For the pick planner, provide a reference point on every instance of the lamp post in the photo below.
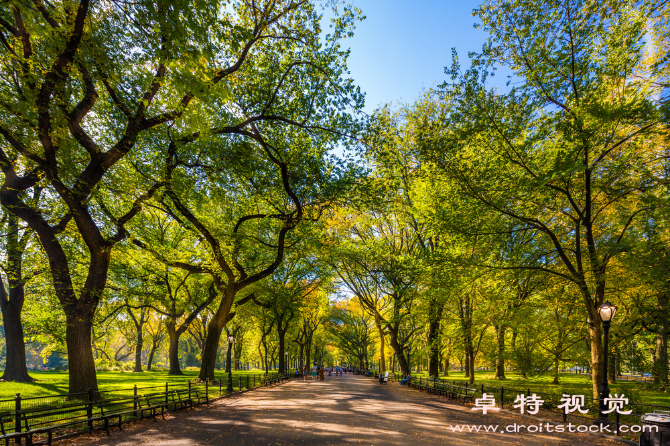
(380, 364)
(285, 362)
(231, 338)
(606, 312)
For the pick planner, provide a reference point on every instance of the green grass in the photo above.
(636, 392)
(54, 383)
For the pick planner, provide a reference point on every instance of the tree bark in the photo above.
(15, 361)
(500, 352)
(173, 350)
(660, 367)
(81, 365)
(434, 345)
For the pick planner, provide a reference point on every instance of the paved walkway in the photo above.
(340, 410)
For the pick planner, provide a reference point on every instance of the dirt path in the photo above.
(341, 410)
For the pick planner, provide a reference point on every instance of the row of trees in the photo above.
(495, 221)
(170, 149)
(168, 174)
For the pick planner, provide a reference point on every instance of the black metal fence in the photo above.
(79, 412)
(506, 397)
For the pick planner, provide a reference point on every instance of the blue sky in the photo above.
(403, 46)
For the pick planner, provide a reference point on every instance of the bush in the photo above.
(109, 365)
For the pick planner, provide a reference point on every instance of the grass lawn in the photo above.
(636, 392)
(54, 383)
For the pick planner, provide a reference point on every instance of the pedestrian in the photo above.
(315, 369)
(321, 377)
(304, 373)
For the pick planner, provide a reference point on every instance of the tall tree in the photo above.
(561, 153)
(89, 93)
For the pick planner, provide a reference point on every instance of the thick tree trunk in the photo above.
(400, 354)
(138, 351)
(210, 350)
(281, 334)
(660, 367)
(173, 351)
(308, 351)
(500, 352)
(15, 361)
(81, 365)
(434, 348)
(214, 329)
(12, 304)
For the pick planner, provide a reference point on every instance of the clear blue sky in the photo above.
(403, 46)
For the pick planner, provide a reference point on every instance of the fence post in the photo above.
(166, 395)
(616, 423)
(239, 382)
(482, 389)
(528, 392)
(135, 400)
(220, 381)
(17, 416)
(247, 382)
(207, 390)
(189, 390)
(502, 396)
(89, 409)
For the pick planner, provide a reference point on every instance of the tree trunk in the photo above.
(611, 366)
(500, 352)
(210, 351)
(281, 334)
(660, 367)
(12, 304)
(150, 359)
(308, 351)
(214, 329)
(81, 366)
(400, 354)
(173, 350)
(434, 348)
(15, 361)
(556, 363)
(138, 350)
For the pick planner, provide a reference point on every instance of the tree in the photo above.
(16, 245)
(90, 92)
(560, 154)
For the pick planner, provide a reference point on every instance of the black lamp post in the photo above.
(285, 371)
(380, 364)
(231, 338)
(606, 312)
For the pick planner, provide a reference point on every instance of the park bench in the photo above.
(45, 420)
(151, 402)
(196, 397)
(118, 408)
(460, 392)
(181, 399)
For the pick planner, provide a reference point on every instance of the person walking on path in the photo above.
(304, 373)
(315, 369)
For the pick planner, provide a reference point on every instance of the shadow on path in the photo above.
(340, 410)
